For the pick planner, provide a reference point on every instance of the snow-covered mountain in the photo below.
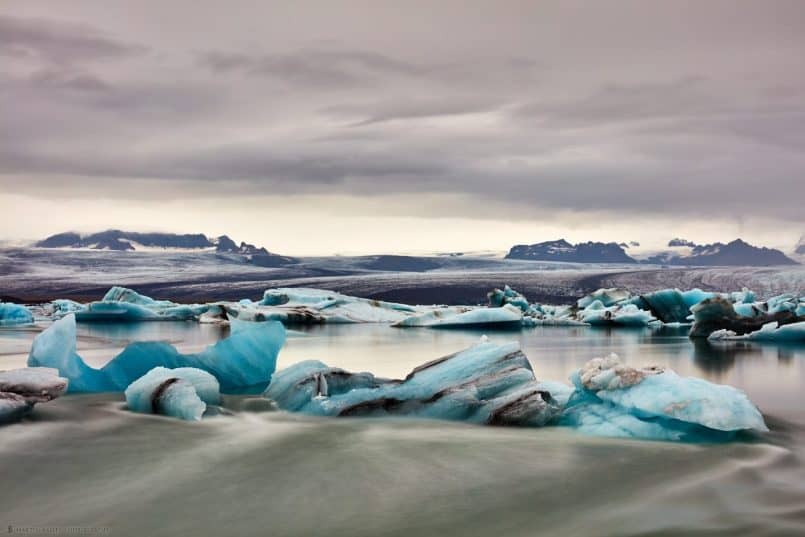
(735, 253)
(117, 240)
(561, 250)
(799, 249)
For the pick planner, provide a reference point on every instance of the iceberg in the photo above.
(182, 392)
(612, 399)
(120, 304)
(607, 297)
(312, 306)
(245, 359)
(487, 383)
(11, 314)
(21, 389)
(597, 314)
(506, 316)
(717, 314)
(494, 384)
(772, 331)
(498, 298)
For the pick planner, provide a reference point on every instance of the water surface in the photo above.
(85, 461)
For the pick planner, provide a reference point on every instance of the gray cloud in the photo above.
(521, 116)
(56, 41)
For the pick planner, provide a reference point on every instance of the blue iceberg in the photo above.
(120, 304)
(495, 385)
(247, 358)
(11, 314)
(487, 383)
(612, 399)
(182, 393)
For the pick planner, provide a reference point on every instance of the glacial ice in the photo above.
(21, 389)
(120, 304)
(11, 314)
(739, 312)
(505, 316)
(494, 384)
(487, 383)
(183, 392)
(629, 315)
(652, 403)
(246, 358)
(771, 331)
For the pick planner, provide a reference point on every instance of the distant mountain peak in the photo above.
(676, 242)
(735, 253)
(117, 240)
(562, 250)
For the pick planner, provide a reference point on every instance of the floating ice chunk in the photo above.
(718, 314)
(63, 306)
(507, 316)
(772, 331)
(498, 298)
(246, 358)
(487, 383)
(122, 294)
(627, 315)
(125, 305)
(34, 384)
(20, 389)
(182, 393)
(662, 397)
(607, 297)
(314, 306)
(11, 314)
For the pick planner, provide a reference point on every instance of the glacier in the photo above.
(494, 384)
(182, 392)
(11, 314)
(21, 389)
(245, 359)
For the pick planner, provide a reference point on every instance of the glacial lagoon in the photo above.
(86, 461)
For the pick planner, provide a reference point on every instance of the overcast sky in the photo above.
(325, 127)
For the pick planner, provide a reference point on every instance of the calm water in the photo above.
(84, 461)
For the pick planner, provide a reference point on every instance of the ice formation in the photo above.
(773, 331)
(506, 316)
(487, 383)
(182, 393)
(613, 399)
(737, 312)
(120, 304)
(719, 315)
(11, 314)
(246, 358)
(21, 389)
(494, 384)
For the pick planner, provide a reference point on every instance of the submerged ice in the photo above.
(246, 358)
